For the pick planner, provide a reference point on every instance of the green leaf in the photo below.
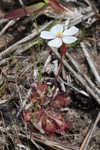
(39, 4)
(46, 1)
(35, 42)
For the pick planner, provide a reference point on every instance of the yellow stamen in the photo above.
(59, 34)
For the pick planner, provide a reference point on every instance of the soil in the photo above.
(17, 78)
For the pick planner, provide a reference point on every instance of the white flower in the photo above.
(58, 35)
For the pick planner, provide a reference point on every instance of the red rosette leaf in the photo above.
(58, 120)
(49, 125)
(65, 126)
(60, 101)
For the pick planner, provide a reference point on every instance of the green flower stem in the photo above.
(39, 51)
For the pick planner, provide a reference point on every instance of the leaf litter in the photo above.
(28, 113)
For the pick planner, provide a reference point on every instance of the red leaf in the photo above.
(28, 116)
(65, 126)
(49, 125)
(58, 120)
(60, 101)
(62, 125)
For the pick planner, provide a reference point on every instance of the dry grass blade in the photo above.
(90, 62)
(3, 20)
(10, 23)
(85, 140)
(21, 3)
(23, 70)
(13, 47)
(93, 6)
(52, 144)
(90, 133)
(77, 67)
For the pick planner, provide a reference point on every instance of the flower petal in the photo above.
(47, 35)
(55, 43)
(71, 31)
(69, 39)
(57, 28)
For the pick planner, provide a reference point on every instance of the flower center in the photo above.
(59, 34)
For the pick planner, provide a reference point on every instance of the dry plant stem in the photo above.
(21, 3)
(3, 20)
(79, 19)
(10, 23)
(13, 47)
(28, 137)
(23, 104)
(92, 131)
(52, 144)
(78, 77)
(37, 145)
(6, 60)
(85, 140)
(22, 48)
(90, 62)
(70, 85)
(91, 3)
(77, 67)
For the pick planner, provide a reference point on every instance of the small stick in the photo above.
(77, 67)
(90, 62)
(92, 6)
(21, 3)
(85, 140)
(23, 103)
(10, 23)
(3, 20)
(13, 47)
(71, 86)
(92, 131)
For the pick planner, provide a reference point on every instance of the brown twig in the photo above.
(79, 69)
(90, 62)
(85, 140)
(93, 6)
(90, 133)
(13, 47)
